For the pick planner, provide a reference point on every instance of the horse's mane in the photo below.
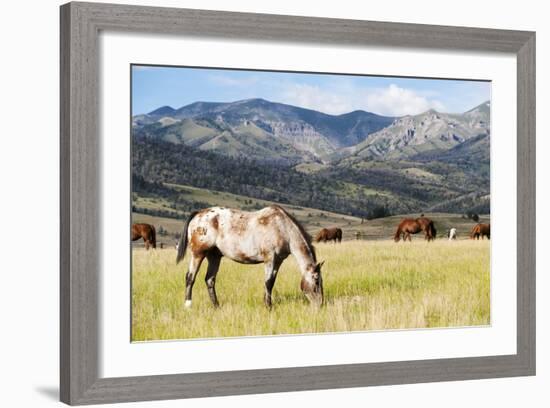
(304, 233)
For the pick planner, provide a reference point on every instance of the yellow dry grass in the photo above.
(369, 285)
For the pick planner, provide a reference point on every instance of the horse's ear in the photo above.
(320, 264)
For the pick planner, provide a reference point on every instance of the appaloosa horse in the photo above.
(329, 234)
(145, 231)
(266, 236)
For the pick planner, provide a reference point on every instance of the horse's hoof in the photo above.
(188, 304)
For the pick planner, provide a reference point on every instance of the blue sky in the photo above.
(153, 87)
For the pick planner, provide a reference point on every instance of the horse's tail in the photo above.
(153, 236)
(397, 236)
(433, 231)
(182, 244)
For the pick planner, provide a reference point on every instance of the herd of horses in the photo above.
(267, 236)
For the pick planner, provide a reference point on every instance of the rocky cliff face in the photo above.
(429, 131)
(303, 137)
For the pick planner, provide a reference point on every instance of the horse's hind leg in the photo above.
(271, 269)
(194, 265)
(214, 259)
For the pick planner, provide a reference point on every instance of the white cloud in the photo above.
(397, 101)
(391, 100)
(314, 97)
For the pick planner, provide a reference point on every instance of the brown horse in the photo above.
(481, 230)
(145, 231)
(409, 226)
(266, 236)
(329, 234)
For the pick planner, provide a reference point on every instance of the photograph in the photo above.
(271, 203)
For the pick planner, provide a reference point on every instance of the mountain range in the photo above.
(261, 129)
(432, 160)
(275, 132)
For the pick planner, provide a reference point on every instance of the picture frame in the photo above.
(80, 154)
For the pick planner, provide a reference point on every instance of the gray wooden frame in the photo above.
(80, 155)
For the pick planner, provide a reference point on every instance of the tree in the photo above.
(380, 211)
(472, 216)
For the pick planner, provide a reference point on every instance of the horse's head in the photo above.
(320, 235)
(312, 284)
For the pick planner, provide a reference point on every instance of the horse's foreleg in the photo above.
(194, 265)
(210, 279)
(271, 269)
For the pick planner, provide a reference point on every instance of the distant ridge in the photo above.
(163, 110)
(259, 128)
(286, 134)
(429, 131)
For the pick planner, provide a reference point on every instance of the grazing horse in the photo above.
(266, 236)
(481, 230)
(452, 234)
(145, 231)
(409, 226)
(329, 234)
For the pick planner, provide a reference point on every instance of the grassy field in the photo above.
(369, 285)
